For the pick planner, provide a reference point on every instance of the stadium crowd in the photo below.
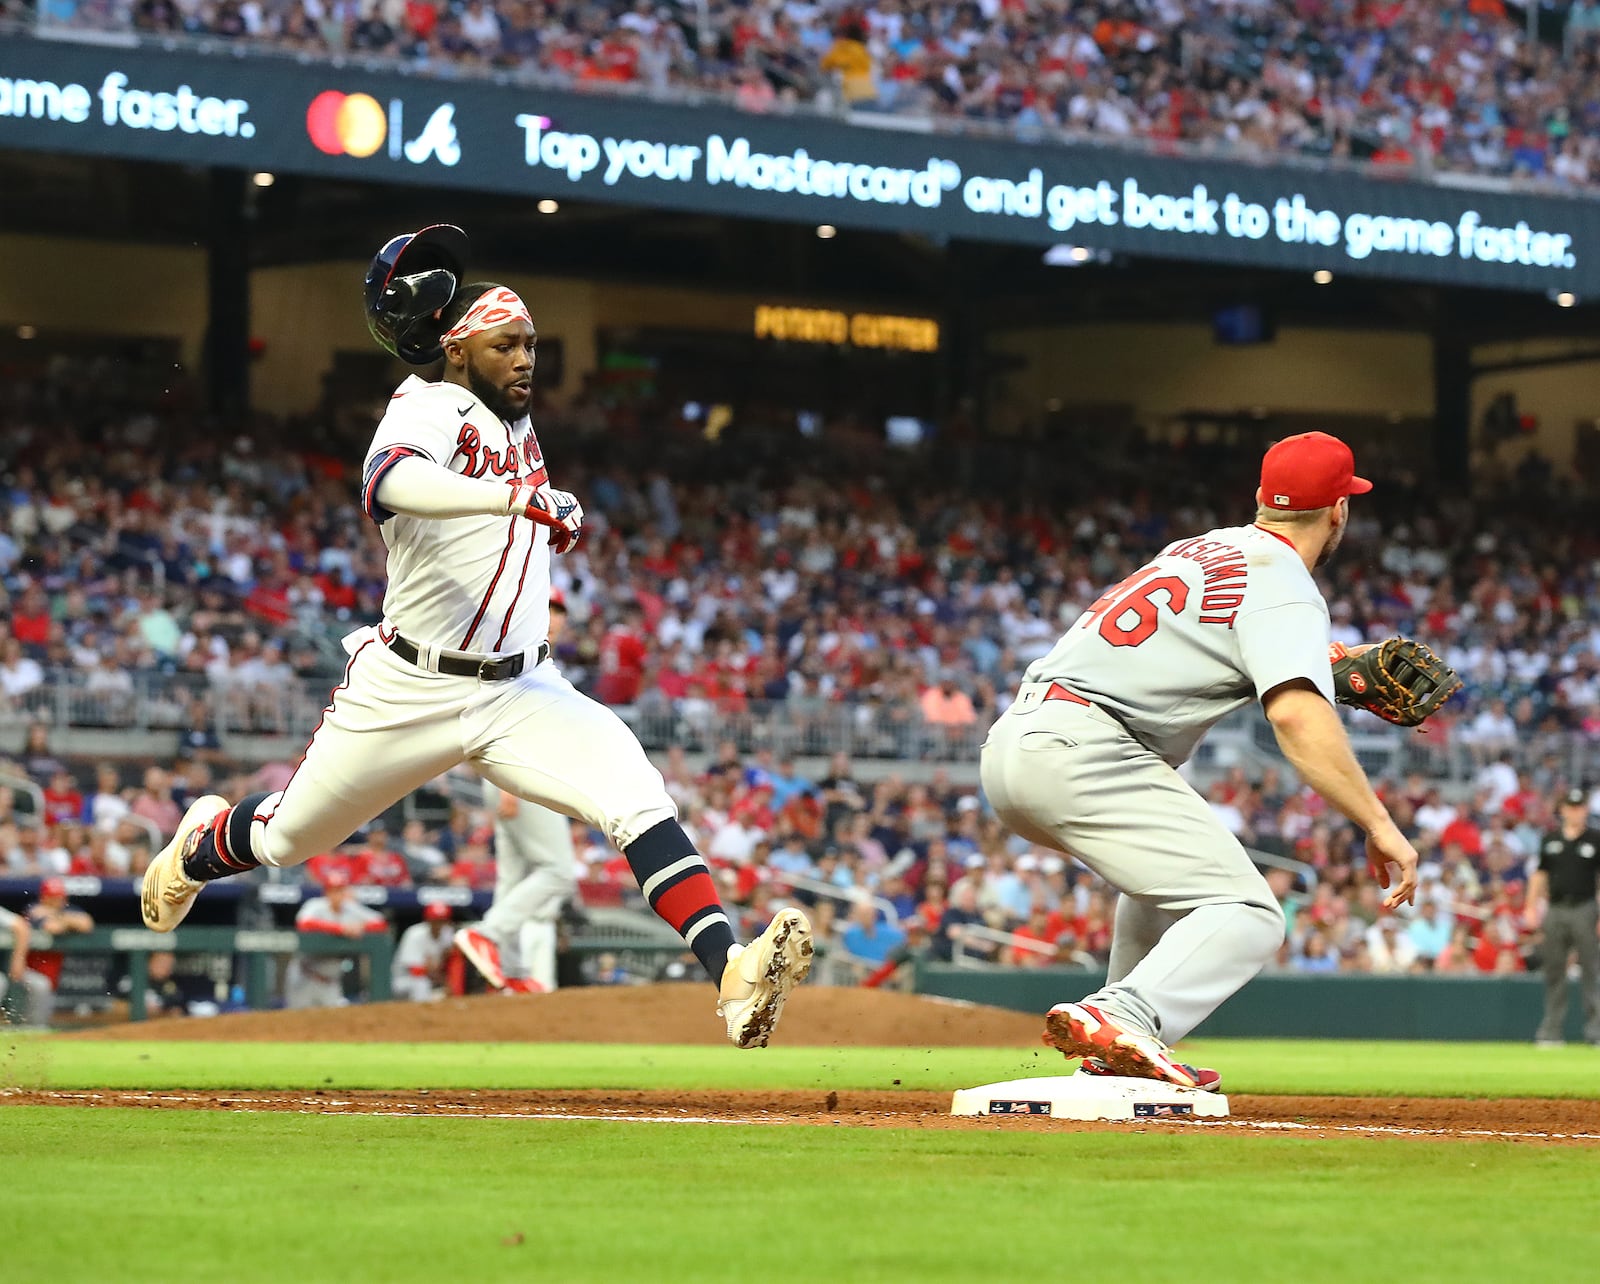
(214, 569)
(891, 869)
(1452, 84)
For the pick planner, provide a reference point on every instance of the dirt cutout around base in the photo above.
(816, 1017)
(1527, 1122)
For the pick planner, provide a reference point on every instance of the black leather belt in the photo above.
(484, 668)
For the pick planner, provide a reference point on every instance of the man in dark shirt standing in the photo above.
(1566, 882)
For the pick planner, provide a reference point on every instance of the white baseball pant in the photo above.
(391, 727)
(536, 869)
(1196, 919)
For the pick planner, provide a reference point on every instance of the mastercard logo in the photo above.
(346, 124)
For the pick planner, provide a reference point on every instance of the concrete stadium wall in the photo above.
(1162, 370)
(1560, 397)
(1488, 1008)
(306, 313)
(101, 287)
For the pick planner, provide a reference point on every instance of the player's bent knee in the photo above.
(1264, 928)
(629, 825)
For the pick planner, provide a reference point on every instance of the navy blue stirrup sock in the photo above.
(225, 847)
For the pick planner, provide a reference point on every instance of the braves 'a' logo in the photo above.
(480, 460)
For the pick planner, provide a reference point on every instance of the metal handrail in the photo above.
(28, 787)
(1297, 867)
(845, 895)
(1006, 940)
(151, 829)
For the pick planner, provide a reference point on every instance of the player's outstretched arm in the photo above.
(417, 487)
(1314, 741)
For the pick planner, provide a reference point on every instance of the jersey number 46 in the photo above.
(1128, 613)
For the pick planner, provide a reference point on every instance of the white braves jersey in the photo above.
(479, 584)
(1213, 622)
(420, 949)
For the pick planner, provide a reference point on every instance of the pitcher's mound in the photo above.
(815, 1017)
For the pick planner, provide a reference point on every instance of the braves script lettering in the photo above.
(481, 460)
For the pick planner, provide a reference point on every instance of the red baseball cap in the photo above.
(336, 877)
(437, 911)
(1311, 470)
(53, 887)
(558, 599)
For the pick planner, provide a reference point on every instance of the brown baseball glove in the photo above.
(1400, 680)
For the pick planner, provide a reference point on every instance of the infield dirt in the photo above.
(815, 1018)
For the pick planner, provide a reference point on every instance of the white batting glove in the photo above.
(557, 509)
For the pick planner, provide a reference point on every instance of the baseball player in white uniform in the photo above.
(1085, 761)
(317, 980)
(536, 869)
(419, 959)
(457, 670)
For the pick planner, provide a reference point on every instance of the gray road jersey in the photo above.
(1212, 623)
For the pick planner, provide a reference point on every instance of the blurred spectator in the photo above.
(154, 801)
(608, 970)
(378, 864)
(317, 980)
(421, 956)
(164, 996)
(50, 915)
(1400, 83)
(28, 993)
(868, 936)
(1430, 931)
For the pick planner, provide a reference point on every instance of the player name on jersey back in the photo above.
(1210, 623)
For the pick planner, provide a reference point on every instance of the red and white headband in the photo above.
(494, 308)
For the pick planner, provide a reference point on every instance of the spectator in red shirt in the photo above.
(62, 801)
(1040, 930)
(474, 868)
(331, 867)
(378, 864)
(338, 594)
(622, 657)
(30, 621)
(1463, 832)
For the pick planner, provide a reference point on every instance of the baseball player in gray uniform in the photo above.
(1085, 760)
(457, 671)
(536, 869)
(40, 995)
(317, 980)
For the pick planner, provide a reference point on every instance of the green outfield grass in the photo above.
(132, 1195)
(128, 1196)
(1260, 1066)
